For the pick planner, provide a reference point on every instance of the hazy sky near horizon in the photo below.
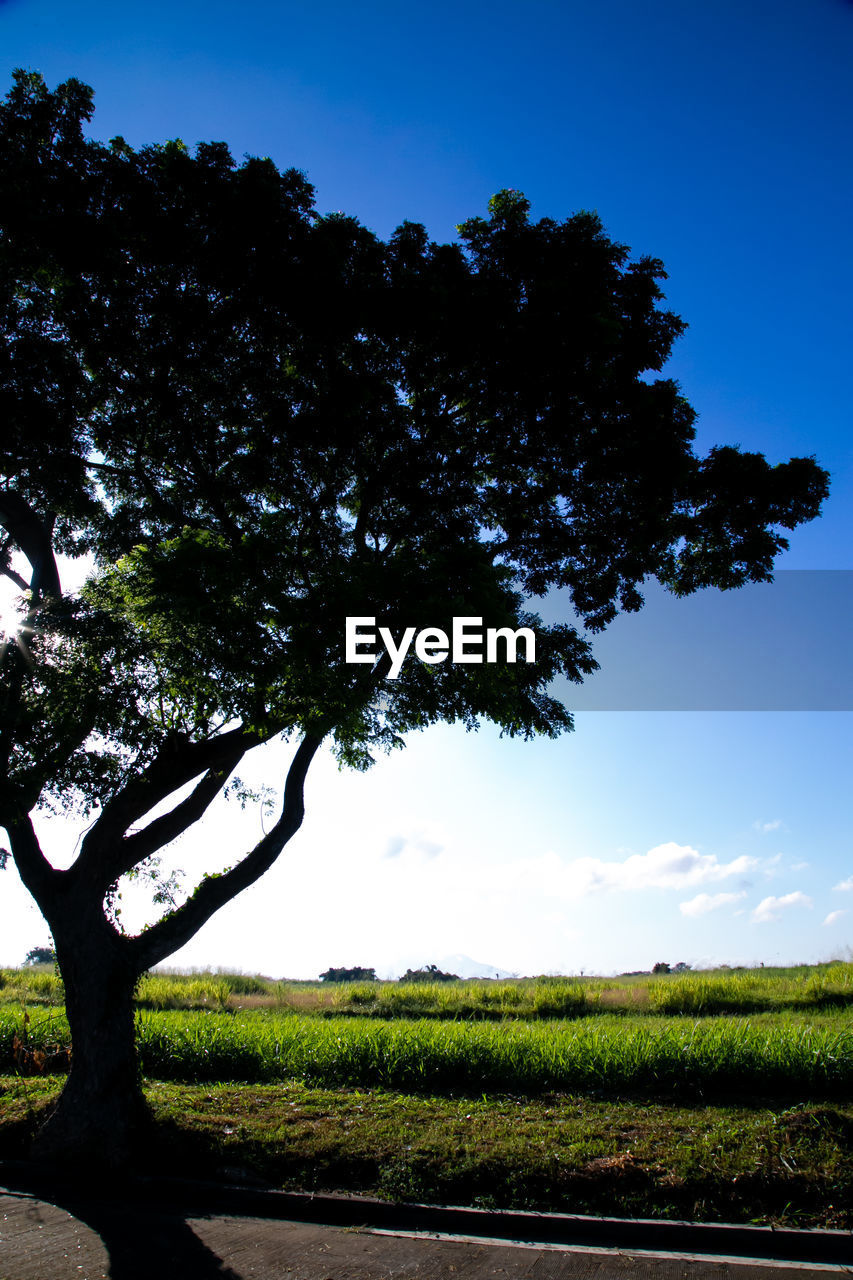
(715, 136)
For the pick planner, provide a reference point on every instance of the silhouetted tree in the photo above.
(259, 421)
(349, 975)
(40, 955)
(429, 973)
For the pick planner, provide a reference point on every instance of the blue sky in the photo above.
(715, 136)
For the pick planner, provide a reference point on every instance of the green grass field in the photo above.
(779, 1055)
(806, 988)
(726, 1094)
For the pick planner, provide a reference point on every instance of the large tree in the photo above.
(258, 421)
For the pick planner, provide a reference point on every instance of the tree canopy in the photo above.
(259, 420)
(356, 974)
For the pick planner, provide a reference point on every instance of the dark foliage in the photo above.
(259, 420)
(349, 975)
(429, 973)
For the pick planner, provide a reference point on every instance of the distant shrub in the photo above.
(349, 975)
(431, 973)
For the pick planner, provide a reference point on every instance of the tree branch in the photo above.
(174, 930)
(8, 572)
(133, 850)
(6, 567)
(107, 466)
(34, 537)
(35, 871)
(10, 695)
(176, 764)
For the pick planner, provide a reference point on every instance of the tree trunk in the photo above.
(101, 1112)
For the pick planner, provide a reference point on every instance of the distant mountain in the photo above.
(468, 968)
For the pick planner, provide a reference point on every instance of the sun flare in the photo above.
(13, 617)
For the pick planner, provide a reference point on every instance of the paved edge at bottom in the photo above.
(193, 1197)
(649, 1255)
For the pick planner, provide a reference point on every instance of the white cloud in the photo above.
(776, 825)
(799, 866)
(845, 884)
(667, 866)
(404, 844)
(834, 917)
(768, 909)
(705, 902)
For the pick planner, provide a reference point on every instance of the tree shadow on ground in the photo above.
(143, 1243)
(141, 1240)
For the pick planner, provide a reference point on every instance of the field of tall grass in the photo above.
(808, 988)
(755, 1031)
(768, 1054)
(753, 991)
(598, 1055)
(722, 1095)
